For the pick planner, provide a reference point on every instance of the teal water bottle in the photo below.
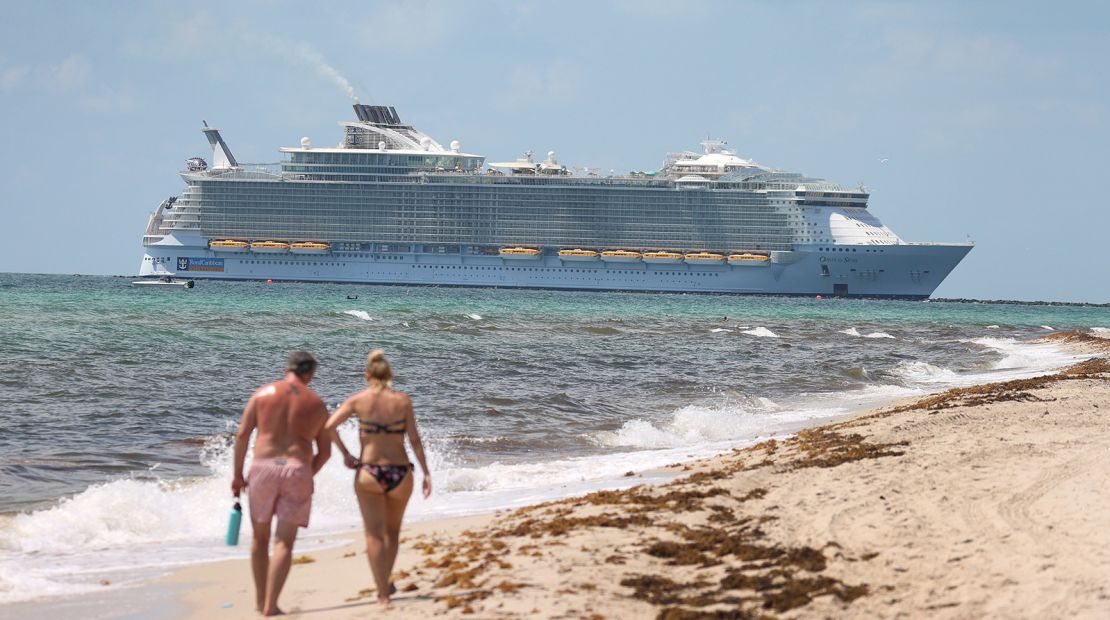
(233, 523)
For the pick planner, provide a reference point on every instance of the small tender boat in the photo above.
(749, 259)
(519, 253)
(270, 247)
(578, 255)
(705, 258)
(620, 256)
(163, 282)
(228, 245)
(662, 257)
(309, 247)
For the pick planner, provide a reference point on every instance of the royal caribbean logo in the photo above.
(185, 263)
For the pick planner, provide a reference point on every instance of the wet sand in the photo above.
(988, 501)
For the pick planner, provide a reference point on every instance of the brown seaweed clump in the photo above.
(761, 575)
(561, 526)
(823, 447)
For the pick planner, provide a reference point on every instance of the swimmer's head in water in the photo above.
(378, 369)
(301, 363)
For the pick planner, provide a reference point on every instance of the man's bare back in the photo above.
(289, 416)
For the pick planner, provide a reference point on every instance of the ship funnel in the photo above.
(377, 114)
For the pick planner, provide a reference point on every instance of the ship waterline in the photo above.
(393, 206)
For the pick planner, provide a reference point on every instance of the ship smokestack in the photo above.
(377, 114)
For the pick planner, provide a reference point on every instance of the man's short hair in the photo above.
(300, 363)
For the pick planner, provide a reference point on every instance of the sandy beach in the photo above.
(977, 502)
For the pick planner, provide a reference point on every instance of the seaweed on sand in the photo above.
(823, 447)
(1015, 390)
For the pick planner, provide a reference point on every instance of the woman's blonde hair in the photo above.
(378, 369)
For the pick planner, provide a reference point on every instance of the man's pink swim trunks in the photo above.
(282, 487)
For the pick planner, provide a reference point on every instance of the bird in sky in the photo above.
(883, 160)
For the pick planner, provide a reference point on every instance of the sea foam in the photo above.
(690, 425)
(1022, 359)
(924, 372)
(760, 332)
(852, 331)
(359, 314)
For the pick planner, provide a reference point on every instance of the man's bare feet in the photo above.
(274, 612)
(385, 603)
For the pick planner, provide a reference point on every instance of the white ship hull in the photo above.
(901, 271)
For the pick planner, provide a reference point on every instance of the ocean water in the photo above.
(117, 405)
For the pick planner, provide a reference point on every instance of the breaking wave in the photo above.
(359, 314)
(852, 331)
(925, 373)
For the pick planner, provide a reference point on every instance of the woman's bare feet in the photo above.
(273, 612)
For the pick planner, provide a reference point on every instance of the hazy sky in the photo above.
(994, 117)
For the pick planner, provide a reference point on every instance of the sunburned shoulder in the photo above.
(269, 389)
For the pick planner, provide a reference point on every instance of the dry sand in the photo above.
(979, 502)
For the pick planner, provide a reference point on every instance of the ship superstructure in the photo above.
(391, 205)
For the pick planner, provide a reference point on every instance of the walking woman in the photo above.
(383, 473)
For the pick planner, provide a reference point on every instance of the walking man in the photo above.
(289, 418)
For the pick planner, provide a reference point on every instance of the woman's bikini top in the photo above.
(389, 428)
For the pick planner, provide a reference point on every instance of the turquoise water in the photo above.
(118, 404)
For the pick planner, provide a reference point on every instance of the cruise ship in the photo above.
(391, 205)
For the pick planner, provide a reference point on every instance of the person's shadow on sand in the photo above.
(396, 602)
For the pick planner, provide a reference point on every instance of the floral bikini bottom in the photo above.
(389, 476)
